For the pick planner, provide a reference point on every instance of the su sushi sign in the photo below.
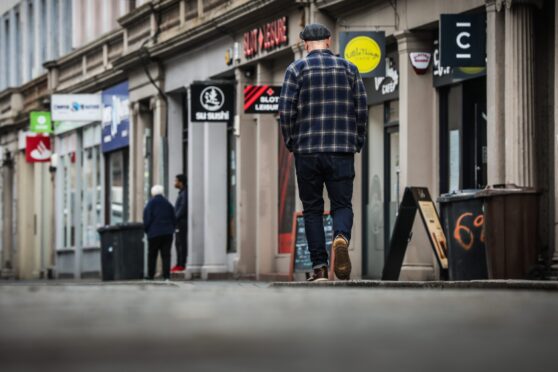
(265, 38)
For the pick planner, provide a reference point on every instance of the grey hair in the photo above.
(157, 190)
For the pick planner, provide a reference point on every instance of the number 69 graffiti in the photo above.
(463, 233)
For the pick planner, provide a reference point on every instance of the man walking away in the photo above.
(159, 224)
(323, 115)
(181, 214)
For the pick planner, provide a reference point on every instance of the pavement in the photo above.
(253, 326)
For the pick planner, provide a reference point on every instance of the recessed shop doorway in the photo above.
(463, 145)
(381, 184)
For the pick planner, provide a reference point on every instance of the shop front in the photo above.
(201, 96)
(462, 125)
(91, 181)
(79, 168)
(381, 168)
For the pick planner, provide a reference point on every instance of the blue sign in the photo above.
(116, 118)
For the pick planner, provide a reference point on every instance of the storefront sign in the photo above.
(116, 118)
(384, 88)
(443, 75)
(420, 61)
(37, 148)
(366, 50)
(212, 102)
(39, 122)
(265, 38)
(76, 107)
(261, 99)
(463, 40)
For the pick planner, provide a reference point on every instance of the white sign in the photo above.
(76, 107)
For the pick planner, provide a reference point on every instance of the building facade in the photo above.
(437, 127)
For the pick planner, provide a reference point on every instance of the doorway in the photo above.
(463, 142)
(381, 185)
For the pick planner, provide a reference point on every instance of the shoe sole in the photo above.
(318, 280)
(342, 262)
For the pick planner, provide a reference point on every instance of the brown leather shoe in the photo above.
(319, 275)
(342, 261)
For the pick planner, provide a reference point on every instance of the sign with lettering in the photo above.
(444, 75)
(366, 50)
(300, 260)
(116, 118)
(415, 199)
(265, 38)
(212, 102)
(463, 40)
(76, 107)
(384, 88)
(261, 99)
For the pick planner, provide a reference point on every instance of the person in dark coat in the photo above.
(181, 214)
(159, 224)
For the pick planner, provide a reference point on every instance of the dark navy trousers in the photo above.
(337, 172)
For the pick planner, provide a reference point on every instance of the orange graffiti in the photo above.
(460, 228)
(462, 231)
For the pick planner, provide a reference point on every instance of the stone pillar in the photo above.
(266, 185)
(196, 202)
(49, 18)
(63, 28)
(7, 215)
(520, 94)
(417, 133)
(26, 47)
(14, 60)
(3, 48)
(246, 182)
(38, 19)
(158, 106)
(215, 199)
(495, 86)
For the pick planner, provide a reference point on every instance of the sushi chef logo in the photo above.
(212, 98)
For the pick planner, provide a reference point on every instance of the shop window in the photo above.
(231, 195)
(91, 196)
(287, 196)
(463, 160)
(117, 203)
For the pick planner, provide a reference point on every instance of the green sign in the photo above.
(40, 122)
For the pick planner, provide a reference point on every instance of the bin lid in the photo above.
(507, 189)
(458, 195)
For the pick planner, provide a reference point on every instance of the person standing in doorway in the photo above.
(181, 214)
(323, 115)
(159, 223)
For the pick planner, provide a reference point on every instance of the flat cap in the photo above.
(315, 31)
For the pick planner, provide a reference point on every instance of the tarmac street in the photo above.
(250, 326)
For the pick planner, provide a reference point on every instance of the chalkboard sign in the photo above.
(415, 199)
(300, 262)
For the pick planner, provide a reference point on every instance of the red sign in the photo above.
(37, 149)
(267, 37)
(260, 99)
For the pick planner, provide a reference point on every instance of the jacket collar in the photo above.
(316, 51)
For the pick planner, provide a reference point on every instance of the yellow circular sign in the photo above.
(364, 52)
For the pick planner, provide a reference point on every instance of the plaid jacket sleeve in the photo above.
(288, 106)
(361, 109)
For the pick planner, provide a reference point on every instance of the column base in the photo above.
(213, 271)
(192, 272)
